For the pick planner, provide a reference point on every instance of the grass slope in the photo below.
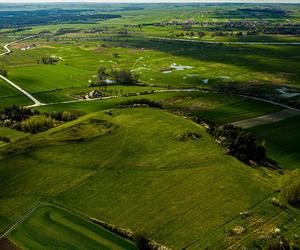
(52, 227)
(117, 169)
(282, 140)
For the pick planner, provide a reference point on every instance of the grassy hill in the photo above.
(117, 169)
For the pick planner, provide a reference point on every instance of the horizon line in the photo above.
(148, 1)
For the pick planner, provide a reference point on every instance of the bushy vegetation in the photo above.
(67, 115)
(240, 144)
(144, 101)
(14, 114)
(3, 71)
(47, 60)
(124, 77)
(290, 188)
(34, 121)
(36, 124)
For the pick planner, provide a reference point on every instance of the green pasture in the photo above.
(176, 191)
(282, 141)
(151, 60)
(51, 227)
(48, 77)
(218, 108)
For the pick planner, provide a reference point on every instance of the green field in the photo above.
(134, 167)
(55, 228)
(10, 96)
(282, 141)
(176, 191)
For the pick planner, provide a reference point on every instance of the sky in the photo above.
(149, 1)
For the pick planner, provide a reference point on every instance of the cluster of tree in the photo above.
(47, 60)
(15, 114)
(66, 31)
(144, 101)
(67, 115)
(3, 71)
(36, 124)
(27, 120)
(222, 33)
(124, 77)
(117, 76)
(19, 19)
(240, 144)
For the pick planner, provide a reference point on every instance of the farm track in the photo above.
(22, 218)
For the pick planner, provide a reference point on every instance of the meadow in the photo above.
(100, 183)
(130, 166)
(52, 227)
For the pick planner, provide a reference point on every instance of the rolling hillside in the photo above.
(115, 168)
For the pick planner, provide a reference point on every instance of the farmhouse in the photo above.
(28, 47)
(93, 94)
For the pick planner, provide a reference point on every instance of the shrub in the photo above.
(67, 115)
(3, 71)
(141, 241)
(239, 143)
(48, 60)
(290, 188)
(143, 101)
(38, 123)
(70, 115)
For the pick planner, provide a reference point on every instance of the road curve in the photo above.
(32, 98)
(23, 91)
(6, 46)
